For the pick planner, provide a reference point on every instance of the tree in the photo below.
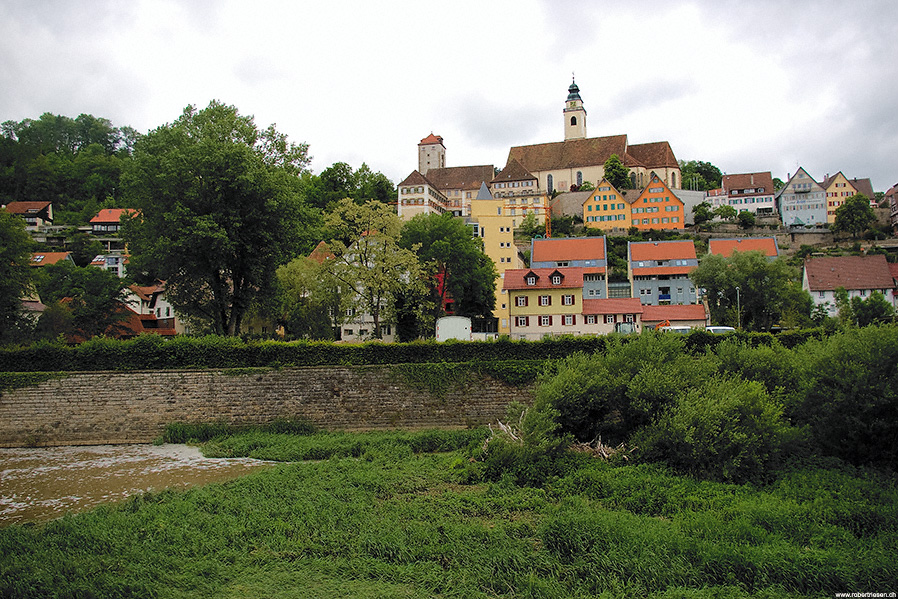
(15, 270)
(874, 310)
(368, 260)
(219, 211)
(725, 212)
(83, 246)
(854, 216)
(768, 290)
(94, 297)
(454, 262)
(530, 226)
(746, 219)
(702, 213)
(586, 186)
(616, 173)
(700, 176)
(311, 305)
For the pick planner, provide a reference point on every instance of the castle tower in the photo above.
(574, 114)
(431, 154)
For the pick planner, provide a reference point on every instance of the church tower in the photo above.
(574, 114)
(431, 153)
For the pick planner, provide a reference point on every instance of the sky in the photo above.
(748, 85)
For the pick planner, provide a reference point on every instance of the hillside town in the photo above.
(634, 229)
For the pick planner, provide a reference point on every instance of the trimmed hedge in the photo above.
(151, 352)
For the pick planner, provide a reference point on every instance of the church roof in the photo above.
(654, 154)
(513, 171)
(569, 154)
(460, 177)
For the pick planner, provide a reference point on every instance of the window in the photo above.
(590, 319)
(630, 318)
(579, 178)
(347, 332)
(522, 321)
(556, 279)
(609, 319)
(567, 300)
(821, 294)
(363, 332)
(545, 300)
(545, 321)
(569, 320)
(550, 183)
(531, 280)
(520, 301)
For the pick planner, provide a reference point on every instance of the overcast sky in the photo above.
(748, 85)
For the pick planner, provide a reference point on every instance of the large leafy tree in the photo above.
(854, 216)
(368, 261)
(92, 297)
(311, 305)
(220, 209)
(749, 289)
(700, 176)
(616, 173)
(15, 270)
(455, 263)
(702, 213)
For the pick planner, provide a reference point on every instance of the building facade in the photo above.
(659, 272)
(802, 201)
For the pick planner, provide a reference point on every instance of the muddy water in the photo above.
(44, 483)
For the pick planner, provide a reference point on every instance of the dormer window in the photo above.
(531, 280)
(556, 279)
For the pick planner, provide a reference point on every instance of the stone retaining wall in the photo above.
(90, 408)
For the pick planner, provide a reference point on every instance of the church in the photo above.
(561, 166)
(544, 169)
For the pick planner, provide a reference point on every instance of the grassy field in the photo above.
(406, 515)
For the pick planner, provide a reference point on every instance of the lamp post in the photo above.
(738, 309)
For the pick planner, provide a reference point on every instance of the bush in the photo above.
(727, 429)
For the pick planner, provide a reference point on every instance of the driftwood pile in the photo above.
(513, 433)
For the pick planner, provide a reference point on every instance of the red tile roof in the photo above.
(461, 177)
(513, 171)
(569, 154)
(674, 313)
(726, 247)
(662, 250)
(48, 258)
(654, 154)
(321, 253)
(431, 139)
(568, 248)
(850, 272)
(110, 215)
(25, 207)
(572, 278)
(416, 178)
(628, 305)
(748, 181)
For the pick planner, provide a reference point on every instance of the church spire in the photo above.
(574, 114)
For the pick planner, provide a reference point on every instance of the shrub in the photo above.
(727, 429)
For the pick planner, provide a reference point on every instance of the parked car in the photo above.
(682, 330)
(720, 330)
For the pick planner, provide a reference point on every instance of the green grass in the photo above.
(399, 515)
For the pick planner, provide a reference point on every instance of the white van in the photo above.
(720, 330)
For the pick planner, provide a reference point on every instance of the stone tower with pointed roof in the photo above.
(431, 153)
(574, 114)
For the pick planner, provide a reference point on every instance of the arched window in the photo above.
(673, 179)
(633, 180)
(573, 121)
(550, 183)
(579, 178)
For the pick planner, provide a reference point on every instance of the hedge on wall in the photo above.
(149, 352)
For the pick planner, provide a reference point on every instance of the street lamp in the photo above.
(738, 310)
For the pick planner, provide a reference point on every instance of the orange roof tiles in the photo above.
(431, 139)
(25, 207)
(568, 248)
(726, 247)
(45, 258)
(110, 215)
(761, 181)
(572, 278)
(569, 154)
(850, 272)
(461, 177)
(662, 250)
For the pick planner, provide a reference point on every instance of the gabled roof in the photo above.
(431, 139)
(460, 177)
(569, 154)
(561, 249)
(110, 215)
(674, 313)
(484, 192)
(572, 278)
(45, 258)
(726, 247)
(893, 270)
(653, 155)
(416, 178)
(654, 180)
(321, 253)
(662, 250)
(27, 207)
(625, 305)
(851, 272)
(748, 181)
(513, 171)
(864, 186)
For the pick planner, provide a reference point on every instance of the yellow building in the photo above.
(545, 301)
(656, 207)
(606, 208)
(494, 224)
(838, 189)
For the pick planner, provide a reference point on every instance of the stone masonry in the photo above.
(90, 408)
